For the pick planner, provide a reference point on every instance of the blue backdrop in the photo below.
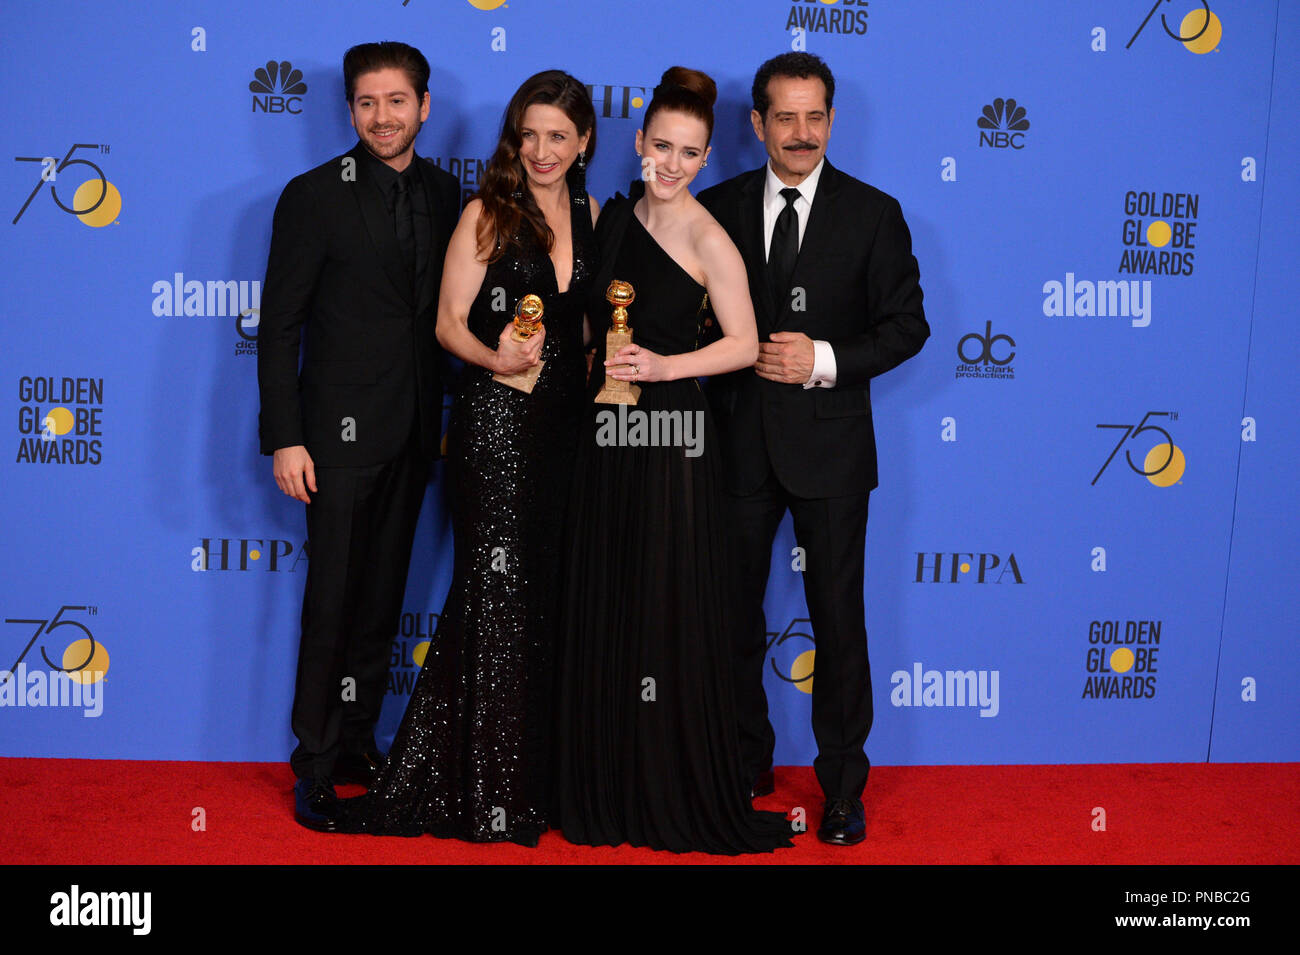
(1079, 550)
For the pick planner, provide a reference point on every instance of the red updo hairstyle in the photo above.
(684, 91)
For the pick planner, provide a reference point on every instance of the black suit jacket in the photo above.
(861, 293)
(337, 291)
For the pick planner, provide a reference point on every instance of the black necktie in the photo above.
(404, 219)
(784, 251)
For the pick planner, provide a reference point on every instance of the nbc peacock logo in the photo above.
(1002, 123)
(277, 88)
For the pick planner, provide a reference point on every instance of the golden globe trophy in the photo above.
(528, 319)
(616, 391)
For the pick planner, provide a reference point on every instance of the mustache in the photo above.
(801, 144)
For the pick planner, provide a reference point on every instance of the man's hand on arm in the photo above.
(788, 358)
(295, 474)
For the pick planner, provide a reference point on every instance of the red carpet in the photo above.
(79, 812)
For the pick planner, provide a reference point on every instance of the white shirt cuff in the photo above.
(823, 373)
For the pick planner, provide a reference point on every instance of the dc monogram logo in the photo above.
(246, 323)
(984, 343)
(986, 356)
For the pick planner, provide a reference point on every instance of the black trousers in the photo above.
(832, 532)
(360, 525)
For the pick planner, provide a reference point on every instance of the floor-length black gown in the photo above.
(648, 747)
(472, 757)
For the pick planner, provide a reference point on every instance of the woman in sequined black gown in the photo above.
(471, 758)
(649, 752)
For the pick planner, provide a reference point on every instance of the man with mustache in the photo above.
(837, 298)
(352, 283)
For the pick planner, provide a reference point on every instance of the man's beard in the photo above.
(394, 147)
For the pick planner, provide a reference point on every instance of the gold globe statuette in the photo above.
(618, 392)
(528, 319)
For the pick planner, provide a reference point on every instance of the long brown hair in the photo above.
(509, 209)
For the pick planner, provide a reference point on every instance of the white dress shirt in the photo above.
(823, 373)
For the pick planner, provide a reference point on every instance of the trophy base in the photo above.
(524, 381)
(617, 392)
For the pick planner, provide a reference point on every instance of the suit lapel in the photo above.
(818, 236)
(751, 247)
(379, 225)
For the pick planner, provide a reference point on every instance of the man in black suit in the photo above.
(352, 280)
(837, 298)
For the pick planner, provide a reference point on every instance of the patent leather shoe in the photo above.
(764, 784)
(316, 805)
(843, 822)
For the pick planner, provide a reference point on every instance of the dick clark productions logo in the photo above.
(985, 355)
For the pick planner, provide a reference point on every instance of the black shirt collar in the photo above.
(384, 174)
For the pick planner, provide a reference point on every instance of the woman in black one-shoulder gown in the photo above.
(649, 751)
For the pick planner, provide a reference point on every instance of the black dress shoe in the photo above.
(843, 822)
(315, 804)
(359, 768)
(764, 784)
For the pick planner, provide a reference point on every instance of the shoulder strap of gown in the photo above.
(611, 227)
